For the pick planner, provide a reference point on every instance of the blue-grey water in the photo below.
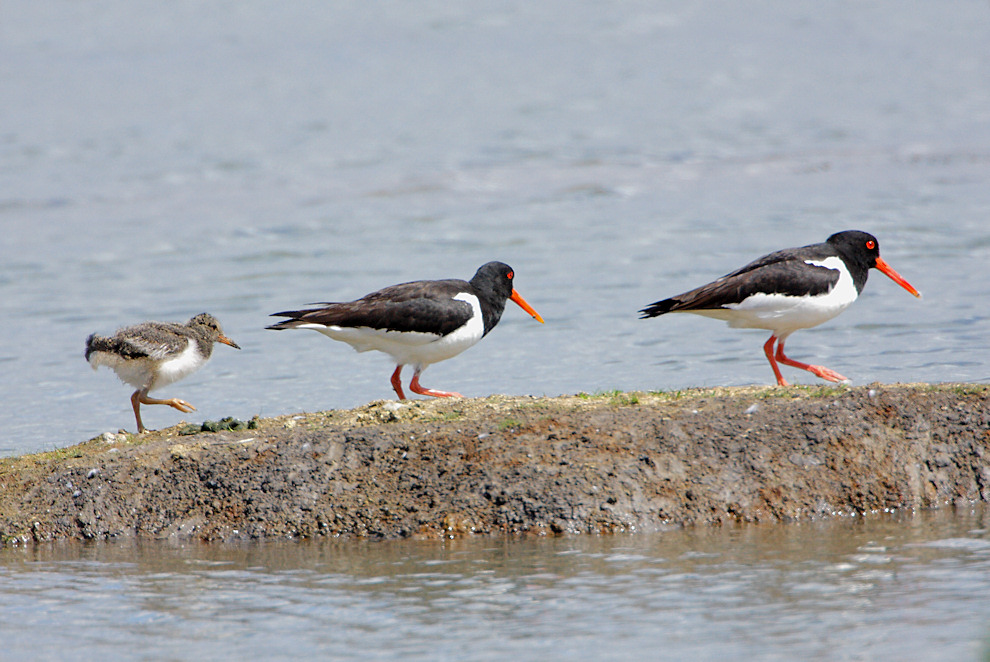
(886, 587)
(242, 158)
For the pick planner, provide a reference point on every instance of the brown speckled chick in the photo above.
(154, 354)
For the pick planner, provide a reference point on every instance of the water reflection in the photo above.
(891, 585)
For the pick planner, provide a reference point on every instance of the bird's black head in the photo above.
(496, 278)
(493, 283)
(861, 248)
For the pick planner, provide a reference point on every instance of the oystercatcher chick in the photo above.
(154, 354)
(791, 289)
(416, 323)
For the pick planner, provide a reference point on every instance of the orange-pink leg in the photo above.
(397, 384)
(140, 397)
(768, 350)
(415, 387)
(817, 370)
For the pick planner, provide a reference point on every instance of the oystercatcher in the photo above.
(154, 354)
(791, 289)
(418, 323)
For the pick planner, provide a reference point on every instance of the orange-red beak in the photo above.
(896, 277)
(227, 341)
(525, 306)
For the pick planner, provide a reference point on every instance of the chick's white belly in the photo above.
(182, 365)
(136, 372)
(147, 372)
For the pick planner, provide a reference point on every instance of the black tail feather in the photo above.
(658, 308)
(284, 324)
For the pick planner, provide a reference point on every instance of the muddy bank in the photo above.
(500, 465)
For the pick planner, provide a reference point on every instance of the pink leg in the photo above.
(416, 388)
(768, 350)
(136, 405)
(397, 383)
(818, 370)
(175, 403)
(140, 397)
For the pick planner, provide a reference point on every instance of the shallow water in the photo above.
(885, 587)
(243, 158)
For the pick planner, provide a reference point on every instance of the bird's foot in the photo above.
(437, 394)
(181, 405)
(416, 387)
(827, 373)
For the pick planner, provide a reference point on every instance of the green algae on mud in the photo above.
(588, 463)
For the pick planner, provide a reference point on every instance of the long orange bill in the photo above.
(227, 341)
(525, 306)
(896, 277)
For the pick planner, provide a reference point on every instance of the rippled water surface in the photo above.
(884, 588)
(242, 158)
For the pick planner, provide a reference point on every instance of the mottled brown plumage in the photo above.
(155, 354)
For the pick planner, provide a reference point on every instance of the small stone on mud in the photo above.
(804, 460)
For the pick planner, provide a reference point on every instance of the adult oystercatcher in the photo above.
(791, 289)
(418, 323)
(154, 354)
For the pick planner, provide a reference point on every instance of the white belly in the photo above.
(182, 365)
(146, 372)
(786, 314)
(411, 348)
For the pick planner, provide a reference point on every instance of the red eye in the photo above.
(870, 244)
(509, 275)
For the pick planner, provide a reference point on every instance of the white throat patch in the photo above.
(844, 289)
